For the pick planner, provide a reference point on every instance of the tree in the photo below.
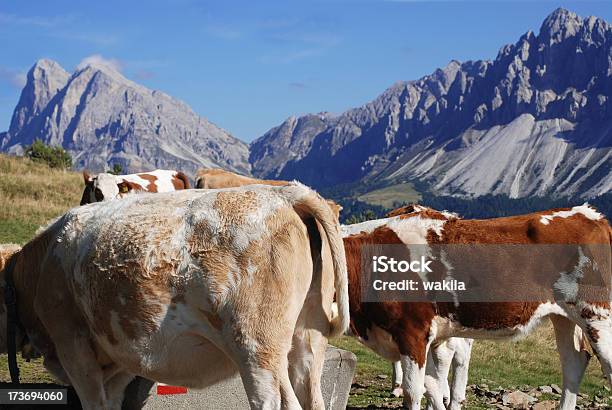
(53, 156)
(117, 169)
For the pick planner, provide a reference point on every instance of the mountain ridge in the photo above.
(425, 128)
(103, 118)
(534, 121)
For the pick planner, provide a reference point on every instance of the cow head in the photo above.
(103, 187)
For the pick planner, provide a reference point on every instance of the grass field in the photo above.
(531, 362)
(31, 194)
(387, 197)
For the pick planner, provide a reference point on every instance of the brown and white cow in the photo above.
(186, 288)
(406, 331)
(216, 178)
(444, 357)
(449, 356)
(106, 186)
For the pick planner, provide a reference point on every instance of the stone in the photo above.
(546, 389)
(545, 405)
(556, 389)
(518, 399)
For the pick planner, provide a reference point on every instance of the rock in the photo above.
(534, 392)
(545, 389)
(518, 399)
(556, 389)
(545, 405)
(382, 376)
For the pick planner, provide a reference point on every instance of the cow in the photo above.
(444, 356)
(407, 331)
(215, 178)
(106, 186)
(452, 354)
(6, 250)
(186, 288)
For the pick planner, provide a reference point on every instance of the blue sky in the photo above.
(247, 66)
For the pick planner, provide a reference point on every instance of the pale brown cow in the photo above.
(215, 178)
(405, 331)
(6, 250)
(186, 288)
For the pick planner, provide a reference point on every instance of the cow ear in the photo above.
(125, 187)
(87, 178)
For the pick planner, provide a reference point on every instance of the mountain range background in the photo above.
(530, 129)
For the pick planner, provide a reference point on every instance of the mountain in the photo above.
(102, 118)
(534, 121)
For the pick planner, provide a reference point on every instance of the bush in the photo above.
(117, 169)
(54, 157)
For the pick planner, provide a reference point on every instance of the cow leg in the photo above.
(396, 389)
(437, 390)
(306, 366)
(115, 389)
(73, 344)
(414, 378)
(269, 389)
(460, 367)
(79, 361)
(307, 355)
(263, 340)
(599, 333)
(573, 361)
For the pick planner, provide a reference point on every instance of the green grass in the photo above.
(29, 372)
(532, 362)
(389, 196)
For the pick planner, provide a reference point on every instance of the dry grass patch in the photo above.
(31, 194)
(390, 196)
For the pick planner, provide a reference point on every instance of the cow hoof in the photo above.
(397, 392)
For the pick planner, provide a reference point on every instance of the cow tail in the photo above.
(306, 201)
(182, 177)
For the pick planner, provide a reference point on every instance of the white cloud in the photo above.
(98, 60)
(15, 78)
(19, 79)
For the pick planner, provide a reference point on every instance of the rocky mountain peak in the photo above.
(103, 118)
(516, 125)
(559, 25)
(43, 81)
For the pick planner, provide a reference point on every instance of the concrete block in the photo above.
(338, 372)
